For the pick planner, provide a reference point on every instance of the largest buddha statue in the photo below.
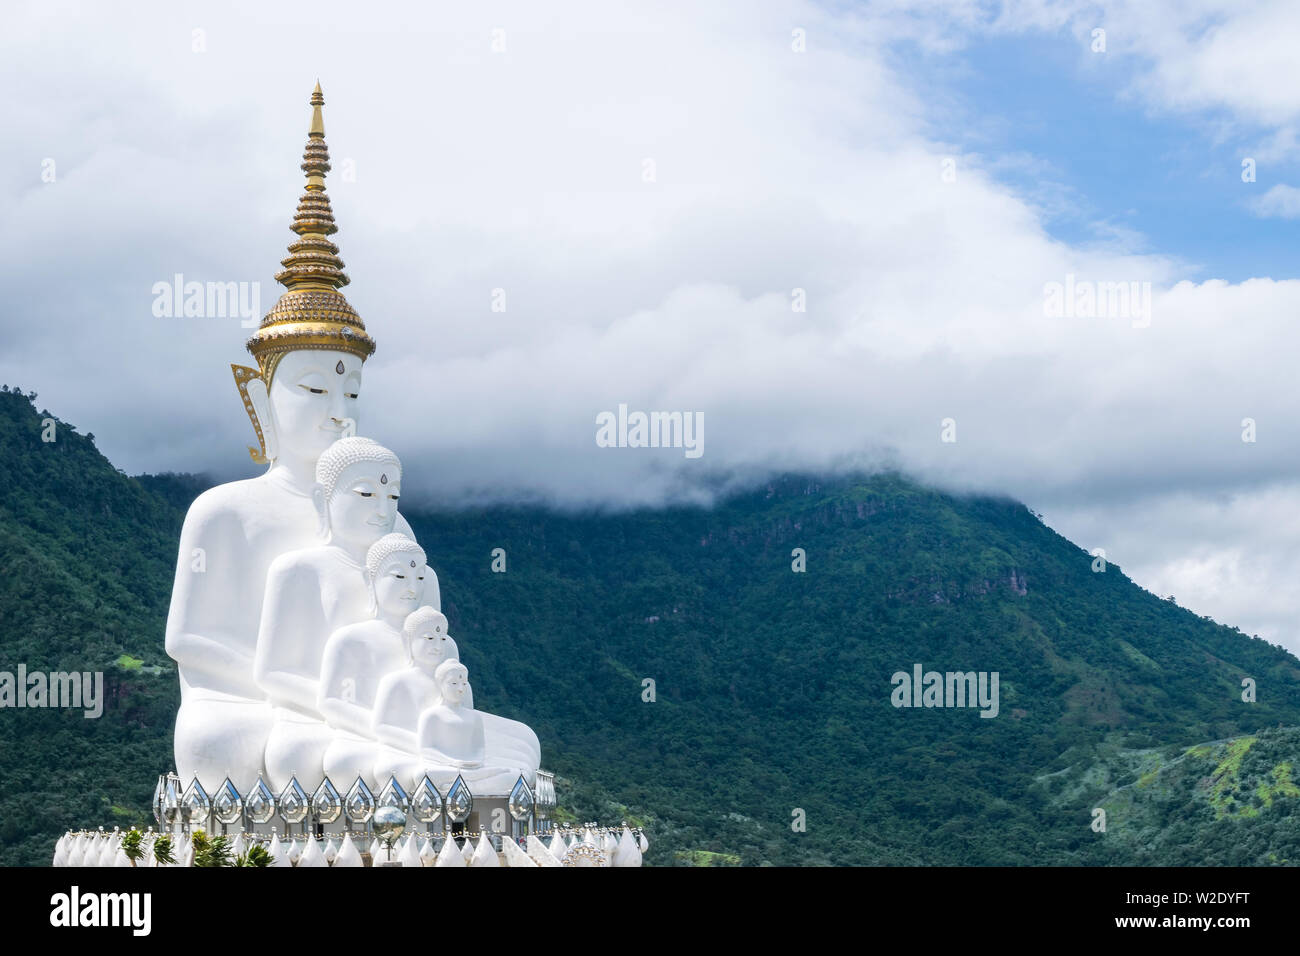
(302, 396)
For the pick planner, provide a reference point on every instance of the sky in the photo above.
(831, 230)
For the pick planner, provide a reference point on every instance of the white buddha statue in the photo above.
(450, 733)
(451, 740)
(313, 592)
(302, 396)
(404, 693)
(358, 655)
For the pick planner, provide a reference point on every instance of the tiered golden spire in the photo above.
(312, 313)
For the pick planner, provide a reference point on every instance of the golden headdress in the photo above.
(312, 313)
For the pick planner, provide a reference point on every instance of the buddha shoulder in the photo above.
(242, 502)
(306, 563)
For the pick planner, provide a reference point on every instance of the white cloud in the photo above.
(1230, 555)
(1281, 201)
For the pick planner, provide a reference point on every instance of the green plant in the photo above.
(162, 851)
(132, 846)
(210, 851)
(256, 855)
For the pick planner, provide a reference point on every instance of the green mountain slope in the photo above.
(1234, 801)
(771, 687)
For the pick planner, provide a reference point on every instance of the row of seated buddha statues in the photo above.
(305, 621)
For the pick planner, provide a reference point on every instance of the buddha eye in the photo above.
(314, 391)
(350, 394)
(365, 494)
(394, 497)
(400, 577)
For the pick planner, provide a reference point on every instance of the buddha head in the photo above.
(358, 484)
(395, 567)
(427, 640)
(452, 678)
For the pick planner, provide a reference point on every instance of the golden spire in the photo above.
(312, 313)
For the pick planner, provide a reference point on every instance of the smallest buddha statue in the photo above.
(450, 733)
(452, 742)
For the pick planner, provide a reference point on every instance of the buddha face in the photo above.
(431, 645)
(399, 583)
(455, 685)
(363, 506)
(313, 397)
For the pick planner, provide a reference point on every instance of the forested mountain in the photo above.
(771, 686)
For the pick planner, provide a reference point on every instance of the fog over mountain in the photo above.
(548, 212)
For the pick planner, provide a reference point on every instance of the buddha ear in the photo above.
(261, 401)
(322, 509)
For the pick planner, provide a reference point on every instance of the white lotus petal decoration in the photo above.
(450, 854)
(484, 854)
(514, 855)
(539, 854)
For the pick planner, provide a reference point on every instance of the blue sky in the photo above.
(1169, 181)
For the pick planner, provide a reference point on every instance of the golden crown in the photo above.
(312, 313)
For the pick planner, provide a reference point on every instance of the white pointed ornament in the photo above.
(450, 854)
(240, 846)
(539, 854)
(331, 852)
(295, 852)
(643, 843)
(427, 854)
(484, 854)
(558, 847)
(374, 851)
(61, 849)
(279, 855)
(514, 855)
(102, 843)
(312, 854)
(109, 856)
(627, 853)
(410, 855)
(348, 854)
(467, 849)
(121, 859)
(76, 852)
